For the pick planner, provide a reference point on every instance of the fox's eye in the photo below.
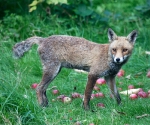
(114, 50)
(125, 50)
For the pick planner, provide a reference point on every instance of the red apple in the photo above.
(142, 94)
(148, 74)
(140, 90)
(60, 97)
(148, 91)
(100, 94)
(92, 96)
(101, 105)
(145, 95)
(91, 124)
(100, 81)
(96, 88)
(34, 85)
(131, 87)
(149, 95)
(75, 95)
(120, 73)
(66, 100)
(133, 96)
(96, 95)
(55, 91)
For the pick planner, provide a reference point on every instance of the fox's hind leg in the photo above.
(51, 69)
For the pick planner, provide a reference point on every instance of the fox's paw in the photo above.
(85, 106)
(44, 103)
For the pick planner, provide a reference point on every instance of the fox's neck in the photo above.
(113, 67)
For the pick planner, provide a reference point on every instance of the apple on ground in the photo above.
(101, 105)
(34, 85)
(140, 89)
(66, 100)
(55, 91)
(142, 94)
(100, 81)
(131, 87)
(133, 96)
(120, 73)
(96, 88)
(92, 96)
(100, 94)
(75, 95)
(60, 97)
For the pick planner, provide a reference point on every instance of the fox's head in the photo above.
(121, 47)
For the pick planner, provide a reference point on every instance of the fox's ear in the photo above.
(132, 36)
(111, 35)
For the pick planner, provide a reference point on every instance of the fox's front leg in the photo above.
(88, 91)
(112, 86)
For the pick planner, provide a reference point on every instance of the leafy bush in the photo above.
(82, 10)
(144, 9)
(34, 3)
(14, 6)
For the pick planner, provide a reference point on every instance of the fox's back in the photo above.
(75, 50)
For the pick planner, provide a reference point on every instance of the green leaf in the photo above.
(83, 10)
(34, 3)
(56, 1)
(32, 8)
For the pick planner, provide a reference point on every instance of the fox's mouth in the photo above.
(118, 62)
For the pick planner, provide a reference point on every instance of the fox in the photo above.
(64, 51)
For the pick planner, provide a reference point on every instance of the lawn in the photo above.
(18, 102)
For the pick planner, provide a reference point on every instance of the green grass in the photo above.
(18, 103)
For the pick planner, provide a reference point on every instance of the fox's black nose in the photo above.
(117, 60)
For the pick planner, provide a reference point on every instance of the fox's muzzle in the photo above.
(120, 59)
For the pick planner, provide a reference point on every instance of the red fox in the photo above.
(99, 60)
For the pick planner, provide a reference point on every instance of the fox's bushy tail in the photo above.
(20, 48)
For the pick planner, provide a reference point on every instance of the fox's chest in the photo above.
(113, 70)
